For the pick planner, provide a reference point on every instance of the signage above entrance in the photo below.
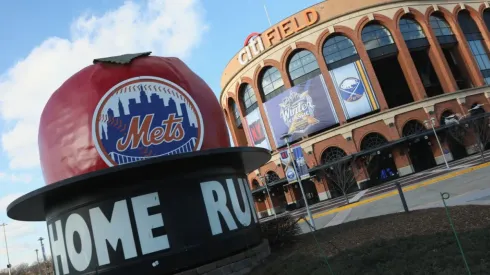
(256, 43)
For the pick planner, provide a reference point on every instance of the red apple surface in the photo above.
(112, 114)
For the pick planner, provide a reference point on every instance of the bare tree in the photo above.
(343, 175)
(475, 124)
(481, 130)
(33, 269)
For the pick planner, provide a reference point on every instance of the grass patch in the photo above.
(417, 243)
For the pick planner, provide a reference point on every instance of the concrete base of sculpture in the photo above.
(241, 263)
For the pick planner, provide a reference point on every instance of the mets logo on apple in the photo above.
(146, 117)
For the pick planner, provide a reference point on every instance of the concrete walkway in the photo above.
(470, 188)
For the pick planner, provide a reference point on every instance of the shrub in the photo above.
(280, 230)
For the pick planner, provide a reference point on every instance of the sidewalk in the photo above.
(469, 188)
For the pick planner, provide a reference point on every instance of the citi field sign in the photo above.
(254, 44)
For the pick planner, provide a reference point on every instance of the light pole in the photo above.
(431, 121)
(291, 156)
(268, 194)
(41, 239)
(38, 263)
(9, 266)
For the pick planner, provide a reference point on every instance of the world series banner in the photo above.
(300, 161)
(301, 110)
(354, 89)
(256, 130)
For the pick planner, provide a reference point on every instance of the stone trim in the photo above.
(440, 159)
(241, 263)
(407, 170)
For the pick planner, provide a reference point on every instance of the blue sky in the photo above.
(44, 42)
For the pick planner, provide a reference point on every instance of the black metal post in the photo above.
(402, 196)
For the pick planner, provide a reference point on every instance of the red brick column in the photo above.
(436, 151)
(402, 161)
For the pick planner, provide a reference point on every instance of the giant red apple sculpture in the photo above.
(125, 109)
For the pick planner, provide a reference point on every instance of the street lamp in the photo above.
(9, 266)
(286, 139)
(38, 263)
(268, 194)
(432, 122)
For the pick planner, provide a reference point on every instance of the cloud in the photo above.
(6, 200)
(15, 177)
(16, 229)
(166, 27)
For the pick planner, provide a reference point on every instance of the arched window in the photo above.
(469, 27)
(440, 26)
(248, 98)
(271, 177)
(486, 18)
(375, 36)
(417, 44)
(236, 114)
(382, 52)
(332, 154)
(372, 140)
(447, 115)
(303, 66)
(410, 29)
(255, 184)
(475, 40)
(412, 127)
(448, 43)
(271, 83)
(339, 50)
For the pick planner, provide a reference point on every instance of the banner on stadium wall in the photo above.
(354, 89)
(301, 110)
(300, 161)
(256, 130)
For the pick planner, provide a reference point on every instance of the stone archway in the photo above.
(419, 149)
(454, 137)
(277, 192)
(380, 164)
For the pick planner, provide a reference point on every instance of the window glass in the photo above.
(410, 29)
(271, 80)
(248, 98)
(440, 26)
(375, 36)
(337, 48)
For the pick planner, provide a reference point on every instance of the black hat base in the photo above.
(158, 216)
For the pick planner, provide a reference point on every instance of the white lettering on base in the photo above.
(106, 232)
(215, 200)
(111, 231)
(215, 207)
(145, 223)
(75, 223)
(58, 248)
(244, 217)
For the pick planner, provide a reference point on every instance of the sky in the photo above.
(43, 43)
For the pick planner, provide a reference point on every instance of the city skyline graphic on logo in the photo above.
(144, 120)
(351, 89)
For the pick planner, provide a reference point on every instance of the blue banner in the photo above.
(301, 110)
(299, 160)
(354, 89)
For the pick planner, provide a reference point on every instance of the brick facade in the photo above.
(387, 122)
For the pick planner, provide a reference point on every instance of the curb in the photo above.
(405, 189)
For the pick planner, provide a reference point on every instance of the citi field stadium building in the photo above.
(359, 80)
